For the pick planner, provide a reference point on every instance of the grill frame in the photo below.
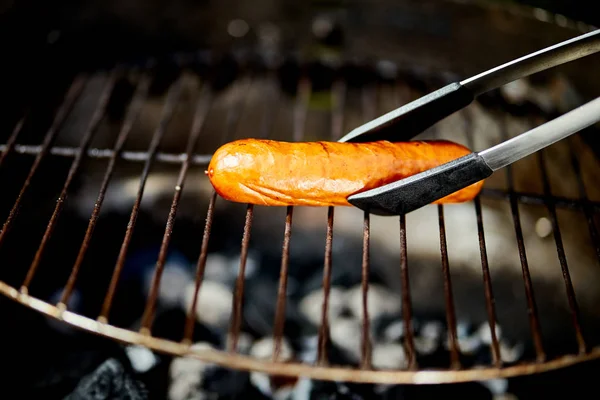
(229, 358)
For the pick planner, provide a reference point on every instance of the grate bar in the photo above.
(324, 328)
(485, 269)
(282, 289)
(87, 138)
(132, 114)
(536, 199)
(167, 113)
(232, 121)
(70, 98)
(10, 144)
(368, 100)
(449, 300)
(199, 118)
(200, 267)
(532, 312)
(299, 123)
(238, 295)
(487, 285)
(587, 205)
(338, 94)
(129, 155)
(562, 258)
(366, 323)
(406, 300)
(401, 96)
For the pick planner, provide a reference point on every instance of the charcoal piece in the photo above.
(388, 328)
(324, 390)
(226, 383)
(109, 381)
(260, 303)
(471, 390)
(169, 324)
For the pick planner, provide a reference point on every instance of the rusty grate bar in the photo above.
(562, 258)
(401, 96)
(279, 325)
(167, 113)
(534, 320)
(85, 142)
(324, 328)
(338, 95)
(449, 300)
(199, 118)
(132, 114)
(238, 295)
(587, 205)
(540, 200)
(10, 144)
(299, 123)
(406, 300)
(365, 339)
(369, 101)
(200, 268)
(485, 269)
(70, 98)
(233, 118)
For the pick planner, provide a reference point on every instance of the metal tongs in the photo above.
(404, 123)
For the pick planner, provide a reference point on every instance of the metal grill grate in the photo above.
(190, 158)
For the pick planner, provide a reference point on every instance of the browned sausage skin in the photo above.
(275, 173)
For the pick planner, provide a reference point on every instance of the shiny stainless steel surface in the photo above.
(543, 136)
(549, 57)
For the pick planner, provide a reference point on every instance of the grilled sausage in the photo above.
(274, 173)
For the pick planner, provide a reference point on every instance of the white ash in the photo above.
(309, 352)
(187, 375)
(511, 354)
(432, 330)
(141, 358)
(425, 345)
(485, 333)
(216, 268)
(175, 278)
(303, 389)
(263, 349)
(389, 356)
(283, 393)
(251, 265)
(122, 194)
(244, 343)
(467, 343)
(346, 334)
(380, 301)
(311, 305)
(394, 332)
(213, 305)
(429, 338)
(262, 382)
(496, 386)
(225, 269)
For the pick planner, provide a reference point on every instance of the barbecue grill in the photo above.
(90, 171)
